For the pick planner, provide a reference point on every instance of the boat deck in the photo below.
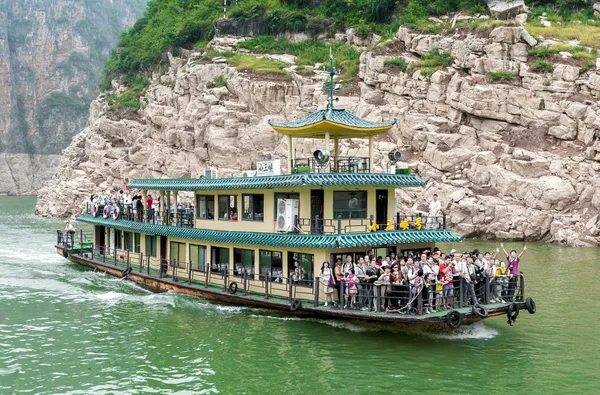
(152, 279)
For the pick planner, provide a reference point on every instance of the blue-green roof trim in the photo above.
(280, 239)
(339, 116)
(282, 181)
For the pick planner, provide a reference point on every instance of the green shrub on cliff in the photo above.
(431, 62)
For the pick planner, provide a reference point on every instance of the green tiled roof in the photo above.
(283, 181)
(280, 239)
(340, 116)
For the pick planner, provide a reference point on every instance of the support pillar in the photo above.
(370, 154)
(336, 154)
(168, 216)
(161, 207)
(175, 210)
(145, 204)
(327, 148)
(290, 156)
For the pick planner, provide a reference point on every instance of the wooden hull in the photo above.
(432, 321)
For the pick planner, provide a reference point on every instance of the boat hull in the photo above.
(221, 295)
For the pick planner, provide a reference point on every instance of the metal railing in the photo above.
(340, 164)
(318, 225)
(183, 218)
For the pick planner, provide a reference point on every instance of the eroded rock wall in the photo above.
(513, 160)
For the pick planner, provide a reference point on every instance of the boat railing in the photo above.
(339, 225)
(401, 297)
(182, 217)
(339, 164)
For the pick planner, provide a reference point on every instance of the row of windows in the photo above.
(346, 204)
(270, 262)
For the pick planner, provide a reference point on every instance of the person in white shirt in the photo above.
(361, 272)
(69, 227)
(491, 274)
(469, 283)
(435, 212)
(348, 265)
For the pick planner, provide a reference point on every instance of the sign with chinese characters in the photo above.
(268, 168)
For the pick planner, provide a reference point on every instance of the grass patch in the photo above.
(587, 66)
(588, 35)
(258, 65)
(309, 52)
(541, 66)
(303, 70)
(431, 62)
(577, 51)
(129, 100)
(219, 82)
(396, 63)
(501, 76)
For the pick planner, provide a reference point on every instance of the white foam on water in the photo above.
(270, 317)
(351, 327)
(110, 296)
(476, 331)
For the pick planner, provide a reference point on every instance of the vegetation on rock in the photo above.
(501, 76)
(399, 63)
(432, 62)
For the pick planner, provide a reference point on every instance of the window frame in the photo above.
(349, 211)
(262, 276)
(199, 268)
(308, 282)
(215, 267)
(128, 241)
(237, 251)
(137, 242)
(178, 261)
(118, 239)
(235, 207)
(153, 249)
(206, 206)
(252, 197)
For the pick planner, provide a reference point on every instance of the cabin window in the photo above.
(350, 204)
(136, 242)
(271, 267)
(280, 195)
(253, 207)
(243, 261)
(220, 259)
(302, 274)
(128, 241)
(205, 207)
(198, 257)
(118, 240)
(228, 207)
(177, 254)
(151, 245)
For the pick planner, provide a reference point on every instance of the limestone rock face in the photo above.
(52, 53)
(510, 161)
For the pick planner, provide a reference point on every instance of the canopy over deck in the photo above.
(331, 123)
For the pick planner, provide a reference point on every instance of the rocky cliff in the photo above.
(514, 158)
(52, 54)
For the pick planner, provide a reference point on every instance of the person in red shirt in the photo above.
(150, 210)
(447, 271)
(149, 206)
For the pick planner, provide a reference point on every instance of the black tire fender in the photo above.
(454, 319)
(65, 252)
(295, 304)
(512, 312)
(233, 287)
(126, 272)
(480, 310)
(530, 304)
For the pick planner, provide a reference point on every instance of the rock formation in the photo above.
(517, 159)
(51, 57)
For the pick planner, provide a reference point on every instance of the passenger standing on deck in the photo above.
(502, 281)
(348, 265)
(513, 261)
(435, 211)
(351, 281)
(339, 277)
(361, 273)
(470, 280)
(493, 289)
(149, 207)
(326, 276)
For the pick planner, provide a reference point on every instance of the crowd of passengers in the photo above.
(435, 274)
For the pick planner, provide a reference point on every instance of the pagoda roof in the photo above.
(338, 122)
(281, 181)
(289, 240)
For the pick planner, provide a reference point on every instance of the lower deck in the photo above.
(286, 297)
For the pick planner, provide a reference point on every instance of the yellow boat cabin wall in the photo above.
(256, 259)
(247, 220)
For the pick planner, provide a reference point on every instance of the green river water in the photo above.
(69, 330)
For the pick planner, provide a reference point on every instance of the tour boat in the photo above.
(260, 240)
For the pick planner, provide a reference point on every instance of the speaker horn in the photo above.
(321, 156)
(394, 156)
